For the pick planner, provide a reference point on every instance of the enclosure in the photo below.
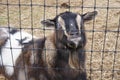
(103, 37)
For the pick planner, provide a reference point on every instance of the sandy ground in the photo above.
(103, 50)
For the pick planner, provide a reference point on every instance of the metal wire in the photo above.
(93, 31)
(97, 7)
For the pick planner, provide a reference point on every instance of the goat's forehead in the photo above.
(70, 20)
(69, 15)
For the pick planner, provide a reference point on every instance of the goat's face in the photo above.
(70, 28)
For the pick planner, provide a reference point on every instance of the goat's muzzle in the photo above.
(74, 42)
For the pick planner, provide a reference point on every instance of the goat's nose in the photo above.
(74, 33)
(74, 41)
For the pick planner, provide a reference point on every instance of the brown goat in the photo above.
(64, 58)
(29, 61)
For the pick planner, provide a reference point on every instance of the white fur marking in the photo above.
(78, 19)
(32, 58)
(22, 75)
(61, 21)
(9, 56)
(22, 35)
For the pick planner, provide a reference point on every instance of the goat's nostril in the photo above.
(74, 33)
(77, 33)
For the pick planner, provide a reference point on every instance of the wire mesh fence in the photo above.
(103, 45)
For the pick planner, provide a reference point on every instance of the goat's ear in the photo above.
(48, 23)
(89, 15)
(3, 40)
(3, 36)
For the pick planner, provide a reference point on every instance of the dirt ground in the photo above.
(102, 49)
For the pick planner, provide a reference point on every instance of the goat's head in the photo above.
(69, 28)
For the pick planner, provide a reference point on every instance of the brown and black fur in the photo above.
(30, 70)
(64, 64)
(66, 61)
(58, 56)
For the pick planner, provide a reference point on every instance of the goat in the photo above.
(29, 61)
(62, 59)
(65, 55)
(15, 47)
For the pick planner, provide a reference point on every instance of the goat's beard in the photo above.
(74, 61)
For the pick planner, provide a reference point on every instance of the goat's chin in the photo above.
(73, 46)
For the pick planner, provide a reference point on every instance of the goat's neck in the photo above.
(69, 56)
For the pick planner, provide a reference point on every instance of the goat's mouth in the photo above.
(74, 43)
